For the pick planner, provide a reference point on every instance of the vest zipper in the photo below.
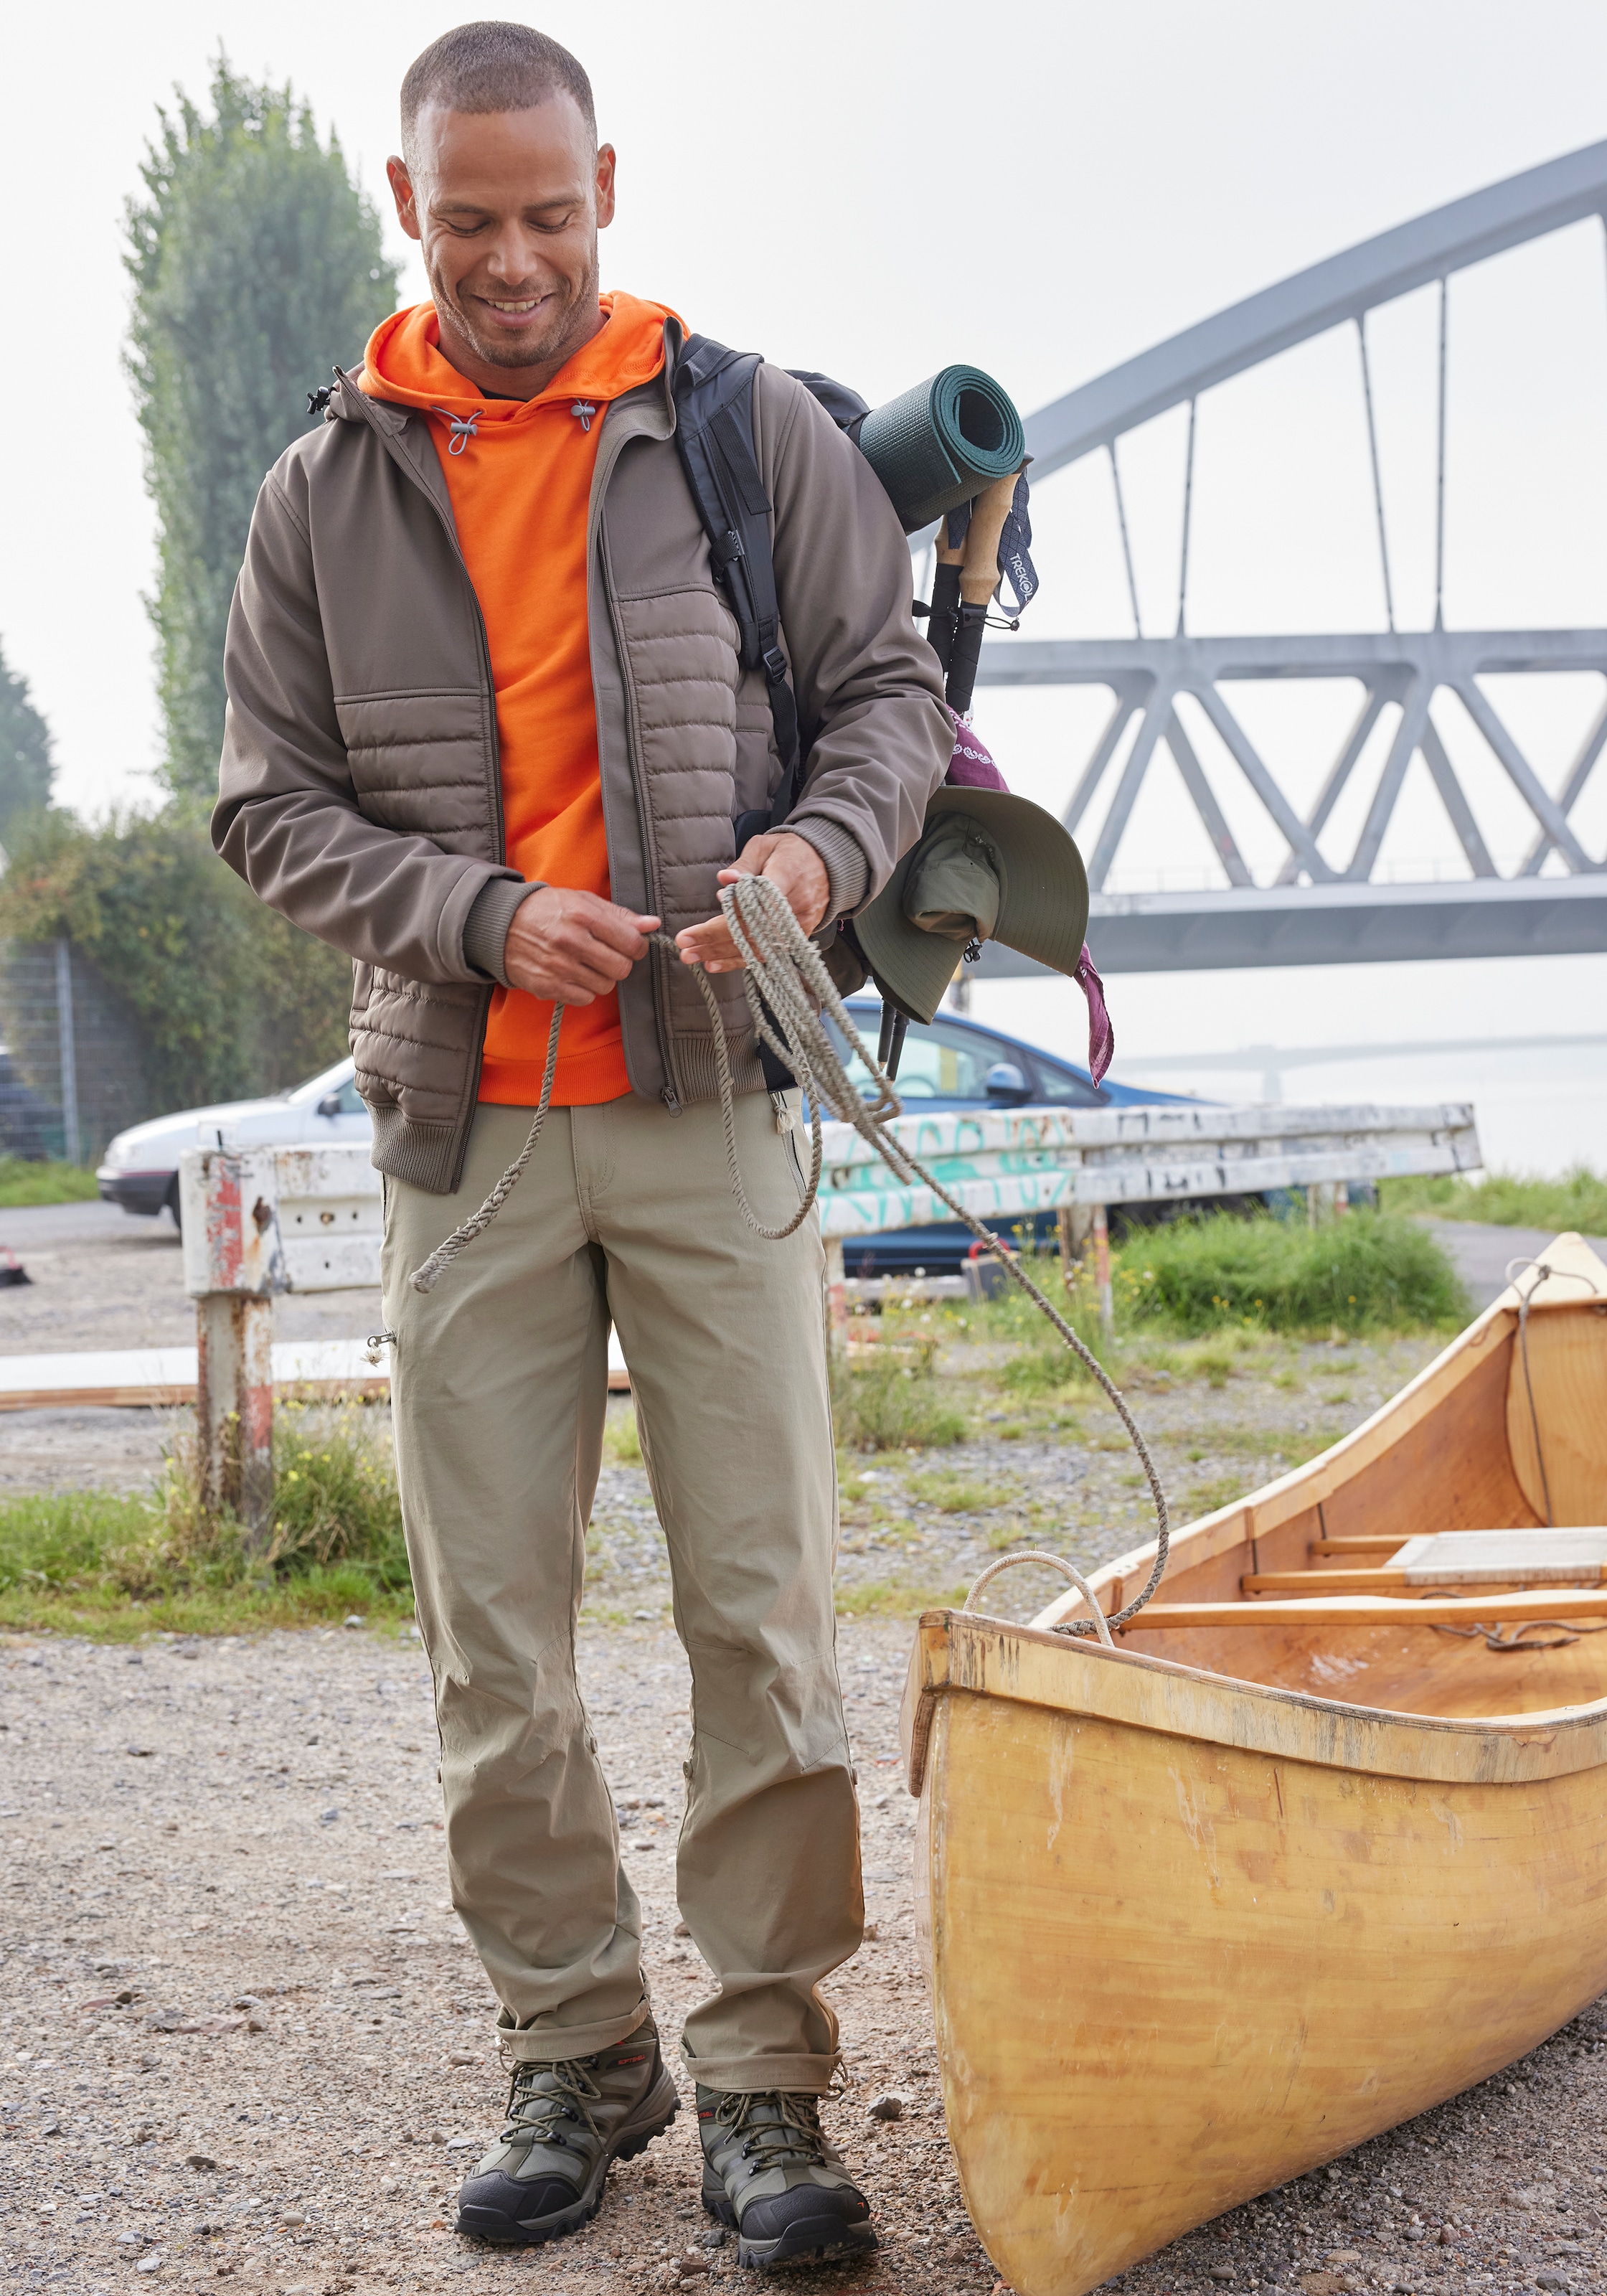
(500, 856)
(671, 1094)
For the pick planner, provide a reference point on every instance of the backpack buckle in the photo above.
(725, 549)
(774, 664)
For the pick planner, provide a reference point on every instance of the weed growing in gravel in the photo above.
(892, 1406)
(87, 1561)
(953, 1494)
(621, 1444)
(895, 1598)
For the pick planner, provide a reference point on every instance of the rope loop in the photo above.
(1058, 1563)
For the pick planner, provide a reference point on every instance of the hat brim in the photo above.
(1043, 905)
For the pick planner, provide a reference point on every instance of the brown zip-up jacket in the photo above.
(360, 786)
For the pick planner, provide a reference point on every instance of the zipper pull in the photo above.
(669, 1099)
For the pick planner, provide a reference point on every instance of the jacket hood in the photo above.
(404, 365)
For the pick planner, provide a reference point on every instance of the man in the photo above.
(487, 728)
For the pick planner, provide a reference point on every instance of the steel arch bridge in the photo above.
(1318, 911)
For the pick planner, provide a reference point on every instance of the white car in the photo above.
(140, 1169)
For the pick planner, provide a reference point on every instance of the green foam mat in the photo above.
(941, 444)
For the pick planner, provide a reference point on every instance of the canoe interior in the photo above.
(1456, 1451)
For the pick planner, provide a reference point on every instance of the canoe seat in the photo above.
(1450, 1558)
(1486, 1558)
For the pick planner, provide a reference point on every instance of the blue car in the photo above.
(952, 1062)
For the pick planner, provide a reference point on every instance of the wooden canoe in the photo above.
(1280, 1869)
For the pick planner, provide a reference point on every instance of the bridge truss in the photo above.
(1318, 910)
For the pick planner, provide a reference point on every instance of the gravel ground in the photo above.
(242, 2034)
(244, 2040)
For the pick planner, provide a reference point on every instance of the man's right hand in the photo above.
(568, 947)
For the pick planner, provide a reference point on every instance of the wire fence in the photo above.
(71, 1067)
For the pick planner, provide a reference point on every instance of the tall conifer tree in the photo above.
(257, 266)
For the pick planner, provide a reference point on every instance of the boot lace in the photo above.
(794, 2136)
(544, 2096)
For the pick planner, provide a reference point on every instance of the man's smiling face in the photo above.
(507, 207)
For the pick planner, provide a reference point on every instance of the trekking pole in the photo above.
(943, 621)
(978, 579)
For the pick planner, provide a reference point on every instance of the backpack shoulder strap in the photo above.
(713, 390)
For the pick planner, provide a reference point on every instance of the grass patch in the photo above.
(895, 1598)
(1206, 1498)
(620, 1441)
(88, 1562)
(24, 1181)
(1578, 1200)
(1356, 1274)
(953, 1494)
(893, 1406)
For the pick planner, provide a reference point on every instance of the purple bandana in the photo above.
(971, 766)
(1102, 1035)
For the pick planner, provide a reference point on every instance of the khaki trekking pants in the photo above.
(499, 1384)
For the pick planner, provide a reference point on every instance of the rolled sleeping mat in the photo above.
(941, 444)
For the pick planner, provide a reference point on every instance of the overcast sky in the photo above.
(1044, 189)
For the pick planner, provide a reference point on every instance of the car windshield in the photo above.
(339, 1080)
(940, 1061)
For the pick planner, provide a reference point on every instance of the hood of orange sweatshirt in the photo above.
(405, 363)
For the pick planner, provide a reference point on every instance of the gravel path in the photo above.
(244, 2040)
(243, 2035)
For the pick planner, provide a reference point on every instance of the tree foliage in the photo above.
(25, 761)
(228, 998)
(257, 266)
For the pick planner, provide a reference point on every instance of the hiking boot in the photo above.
(566, 2122)
(769, 2173)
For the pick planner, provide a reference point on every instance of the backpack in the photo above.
(713, 392)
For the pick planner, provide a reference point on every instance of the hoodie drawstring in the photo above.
(462, 427)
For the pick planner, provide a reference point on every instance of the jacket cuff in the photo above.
(847, 873)
(486, 926)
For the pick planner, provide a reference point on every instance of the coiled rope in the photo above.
(789, 990)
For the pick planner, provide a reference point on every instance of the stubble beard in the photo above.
(568, 329)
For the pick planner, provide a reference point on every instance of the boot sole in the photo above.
(658, 2107)
(807, 2237)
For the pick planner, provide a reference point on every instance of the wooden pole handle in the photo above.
(980, 569)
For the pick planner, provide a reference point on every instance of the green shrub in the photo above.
(24, 1181)
(123, 1565)
(60, 1539)
(335, 1498)
(893, 1406)
(1359, 1272)
(223, 997)
(1578, 1200)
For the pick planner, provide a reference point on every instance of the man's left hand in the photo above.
(789, 862)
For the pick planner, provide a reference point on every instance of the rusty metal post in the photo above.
(234, 1407)
(233, 1266)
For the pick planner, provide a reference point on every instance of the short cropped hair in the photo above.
(492, 66)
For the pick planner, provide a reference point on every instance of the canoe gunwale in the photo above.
(970, 1654)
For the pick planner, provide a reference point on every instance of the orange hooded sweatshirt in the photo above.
(519, 472)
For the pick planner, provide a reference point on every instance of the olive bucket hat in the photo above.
(989, 866)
